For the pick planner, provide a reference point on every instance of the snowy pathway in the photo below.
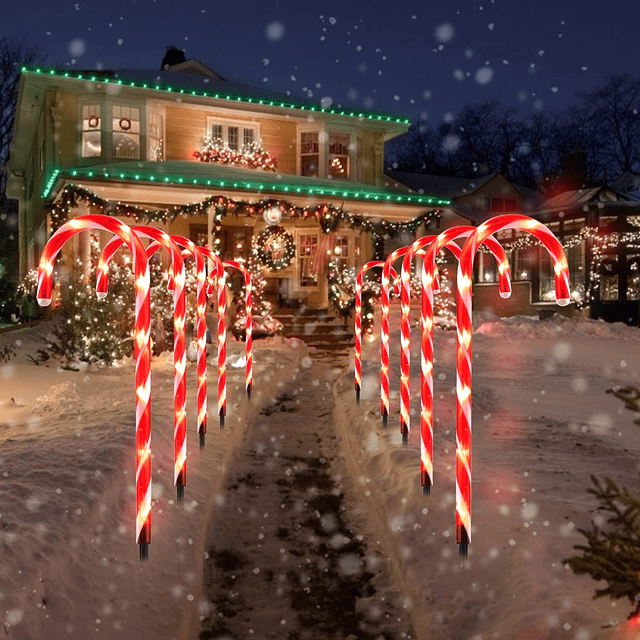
(286, 559)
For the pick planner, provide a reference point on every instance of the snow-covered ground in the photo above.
(70, 565)
(542, 423)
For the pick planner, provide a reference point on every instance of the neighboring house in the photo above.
(601, 228)
(124, 143)
(473, 201)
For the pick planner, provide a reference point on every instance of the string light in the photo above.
(328, 216)
(252, 155)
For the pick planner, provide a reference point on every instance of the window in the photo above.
(309, 154)
(341, 252)
(91, 142)
(126, 132)
(236, 135)
(496, 205)
(307, 251)
(155, 137)
(339, 155)
(487, 267)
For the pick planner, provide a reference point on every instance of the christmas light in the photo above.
(252, 155)
(142, 348)
(162, 239)
(377, 117)
(463, 360)
(358, 317)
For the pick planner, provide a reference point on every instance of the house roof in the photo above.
(442, 186)
(627, 182)
(201, 174)
(602, 196)
(187, 82)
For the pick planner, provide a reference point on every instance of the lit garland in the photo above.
(328, 216)
(251, 156)
(276, 248)
(342, 297)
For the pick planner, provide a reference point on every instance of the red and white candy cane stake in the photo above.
(201, 332)
(222, 329)
(248, 320)
(405, 332)
(384, 332)
(177, 285)
(142, 349)
(463, 360)
(358, 318)
(445, 239)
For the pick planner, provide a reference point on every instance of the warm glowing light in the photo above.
(465, 282)
(465, 392)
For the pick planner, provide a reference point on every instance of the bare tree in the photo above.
(13, 55)
(613, 116)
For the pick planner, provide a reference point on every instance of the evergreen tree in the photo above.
(613, 555)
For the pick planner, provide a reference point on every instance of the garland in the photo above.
(251, 156)
(276, 248)
(328, 216)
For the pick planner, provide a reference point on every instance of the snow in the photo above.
(542, 423)
(67, 500)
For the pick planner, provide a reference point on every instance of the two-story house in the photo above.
(302, 179)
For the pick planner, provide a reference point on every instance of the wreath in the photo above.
(125, 124)
(275, 247)
(94, 122)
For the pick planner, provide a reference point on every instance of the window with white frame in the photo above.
(155, 137)
(126, 132)
(236, 135)
(341, 252)
(331, 154)
(307, 252)
(309, 153)
(91, 137)
(338, 155)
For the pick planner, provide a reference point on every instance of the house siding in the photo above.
(186, 128)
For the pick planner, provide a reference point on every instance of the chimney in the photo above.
(171, 57)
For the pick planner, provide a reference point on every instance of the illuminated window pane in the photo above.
(91, 139)
(339, 155)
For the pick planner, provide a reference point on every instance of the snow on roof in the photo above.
(604, 196)
(443, 186)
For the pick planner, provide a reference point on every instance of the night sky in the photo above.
(405, 57)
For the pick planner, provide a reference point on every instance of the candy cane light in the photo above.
(463, 359)
(444, 239)
(177, 285)
(405, 332)
(142, 348)
(201, 338)
(248, 321)
(358, 318)
(384, 332)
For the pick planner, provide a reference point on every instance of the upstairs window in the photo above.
(309, 153)
(156, 132)
(126, 132)
(91, 142)
(339, 155)
(235, 135)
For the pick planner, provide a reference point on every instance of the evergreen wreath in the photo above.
(276, 248)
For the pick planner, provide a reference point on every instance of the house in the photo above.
(600, 229)
(474, 200)
(221, 163)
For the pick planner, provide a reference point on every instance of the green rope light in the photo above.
(377, 117)
(252, 186)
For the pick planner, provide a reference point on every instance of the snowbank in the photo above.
(543, 423)
(67, 502)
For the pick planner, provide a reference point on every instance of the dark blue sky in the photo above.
(408, 57)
